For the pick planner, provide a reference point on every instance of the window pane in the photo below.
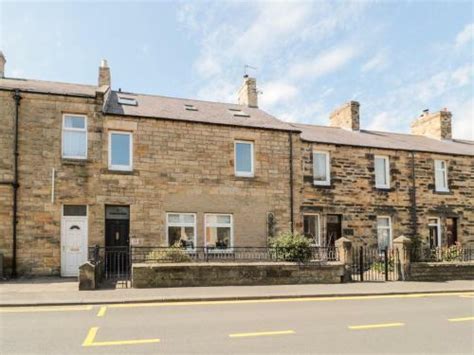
(75, 210)
(380, 177)
(243, 157)
(383, 222)
(383, 236)
(311, 228)
(223, 219)
(74, 144)
(173, 218)
(320, 173)
(74, 122)
(188, 218)
(181, 236)
(120, 149)
(218, 219)
(218, 237)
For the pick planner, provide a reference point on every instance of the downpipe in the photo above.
(15, 184)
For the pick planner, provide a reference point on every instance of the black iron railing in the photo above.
(453, 253)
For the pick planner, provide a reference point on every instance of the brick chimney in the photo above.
(434, 125)
(2, 65)
(346, 116)
(104, 73)
(248, 94)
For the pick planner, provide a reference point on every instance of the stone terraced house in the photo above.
(84, 165)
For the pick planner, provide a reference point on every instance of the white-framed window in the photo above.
(244, 158)
(441, 175)
(218, 231)
(74, 136)
(434, 228)
(181, 229)
(321, 168)
(312, 228)
(382, 171)
(384, 232)
(120, 151)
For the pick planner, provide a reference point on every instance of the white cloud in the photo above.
(463, 118)
(466, 35)
(376, 63)
(327, 62)
(463, 75)
(277, 92)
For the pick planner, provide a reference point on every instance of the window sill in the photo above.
(383, 188)
(119, 172)
(323, 186)
(248, 176)
(74, 161)
(442, 192)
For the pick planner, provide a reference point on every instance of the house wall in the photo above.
(353, 195)
(178, 167)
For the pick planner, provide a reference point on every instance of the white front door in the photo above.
(73, 244)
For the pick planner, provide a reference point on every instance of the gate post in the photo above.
(402, 248)
(344, 249)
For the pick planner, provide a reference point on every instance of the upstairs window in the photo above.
(238, 112)
(74, 137)
(128, 101)
(244, 159)
(120, 151)
(441, 176)
(382, 172)
(384, 232)
(321, 172)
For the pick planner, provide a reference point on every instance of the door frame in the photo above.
(63, 253)
(340, 216)
(438, 229)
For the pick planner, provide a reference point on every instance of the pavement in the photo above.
(379, 324)
(60, 291)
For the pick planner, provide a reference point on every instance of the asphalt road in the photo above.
(442, 323)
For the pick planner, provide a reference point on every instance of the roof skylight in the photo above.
(238, 112)
(190, 107)
(130, 101)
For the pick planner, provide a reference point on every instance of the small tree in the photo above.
(291, 247)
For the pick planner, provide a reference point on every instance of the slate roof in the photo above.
(49, 87)
(206, 111)
(386, 140)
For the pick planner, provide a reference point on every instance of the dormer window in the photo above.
(190, 107)
(129, 101)
(238, 112)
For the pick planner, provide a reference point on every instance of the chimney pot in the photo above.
(2, 64)
(347, 116)
(435, 125)
(248, 95)
(104, 74)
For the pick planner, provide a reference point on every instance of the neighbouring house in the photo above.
(82, 165)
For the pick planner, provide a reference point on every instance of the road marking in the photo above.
(283, 300)
(90, 340)
(102, 311)
(374, 326)
(258, 334)
(465, 319)
(45, 309)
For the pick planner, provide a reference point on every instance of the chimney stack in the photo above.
(346, 116)
(433, 125)
(248, 95)
(2, 65)
(104, 73)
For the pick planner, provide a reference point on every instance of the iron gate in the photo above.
(115, 263)
(374, 264)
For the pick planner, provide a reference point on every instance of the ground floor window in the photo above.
(311, 228)
(384, 232)
(218, 230)
(181, 229)
(434, 232)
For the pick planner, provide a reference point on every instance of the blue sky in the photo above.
(395, 58)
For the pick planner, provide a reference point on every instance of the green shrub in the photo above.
(174, 254)
(291, 247)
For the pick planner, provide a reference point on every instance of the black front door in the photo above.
(117, 241)
(333, 229)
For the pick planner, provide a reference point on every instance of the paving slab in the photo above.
(60, 291)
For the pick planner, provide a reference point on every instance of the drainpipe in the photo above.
(290, 135)
(414, 218)
(15, 184)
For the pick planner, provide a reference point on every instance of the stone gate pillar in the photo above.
(344, 249)
(402, 249)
